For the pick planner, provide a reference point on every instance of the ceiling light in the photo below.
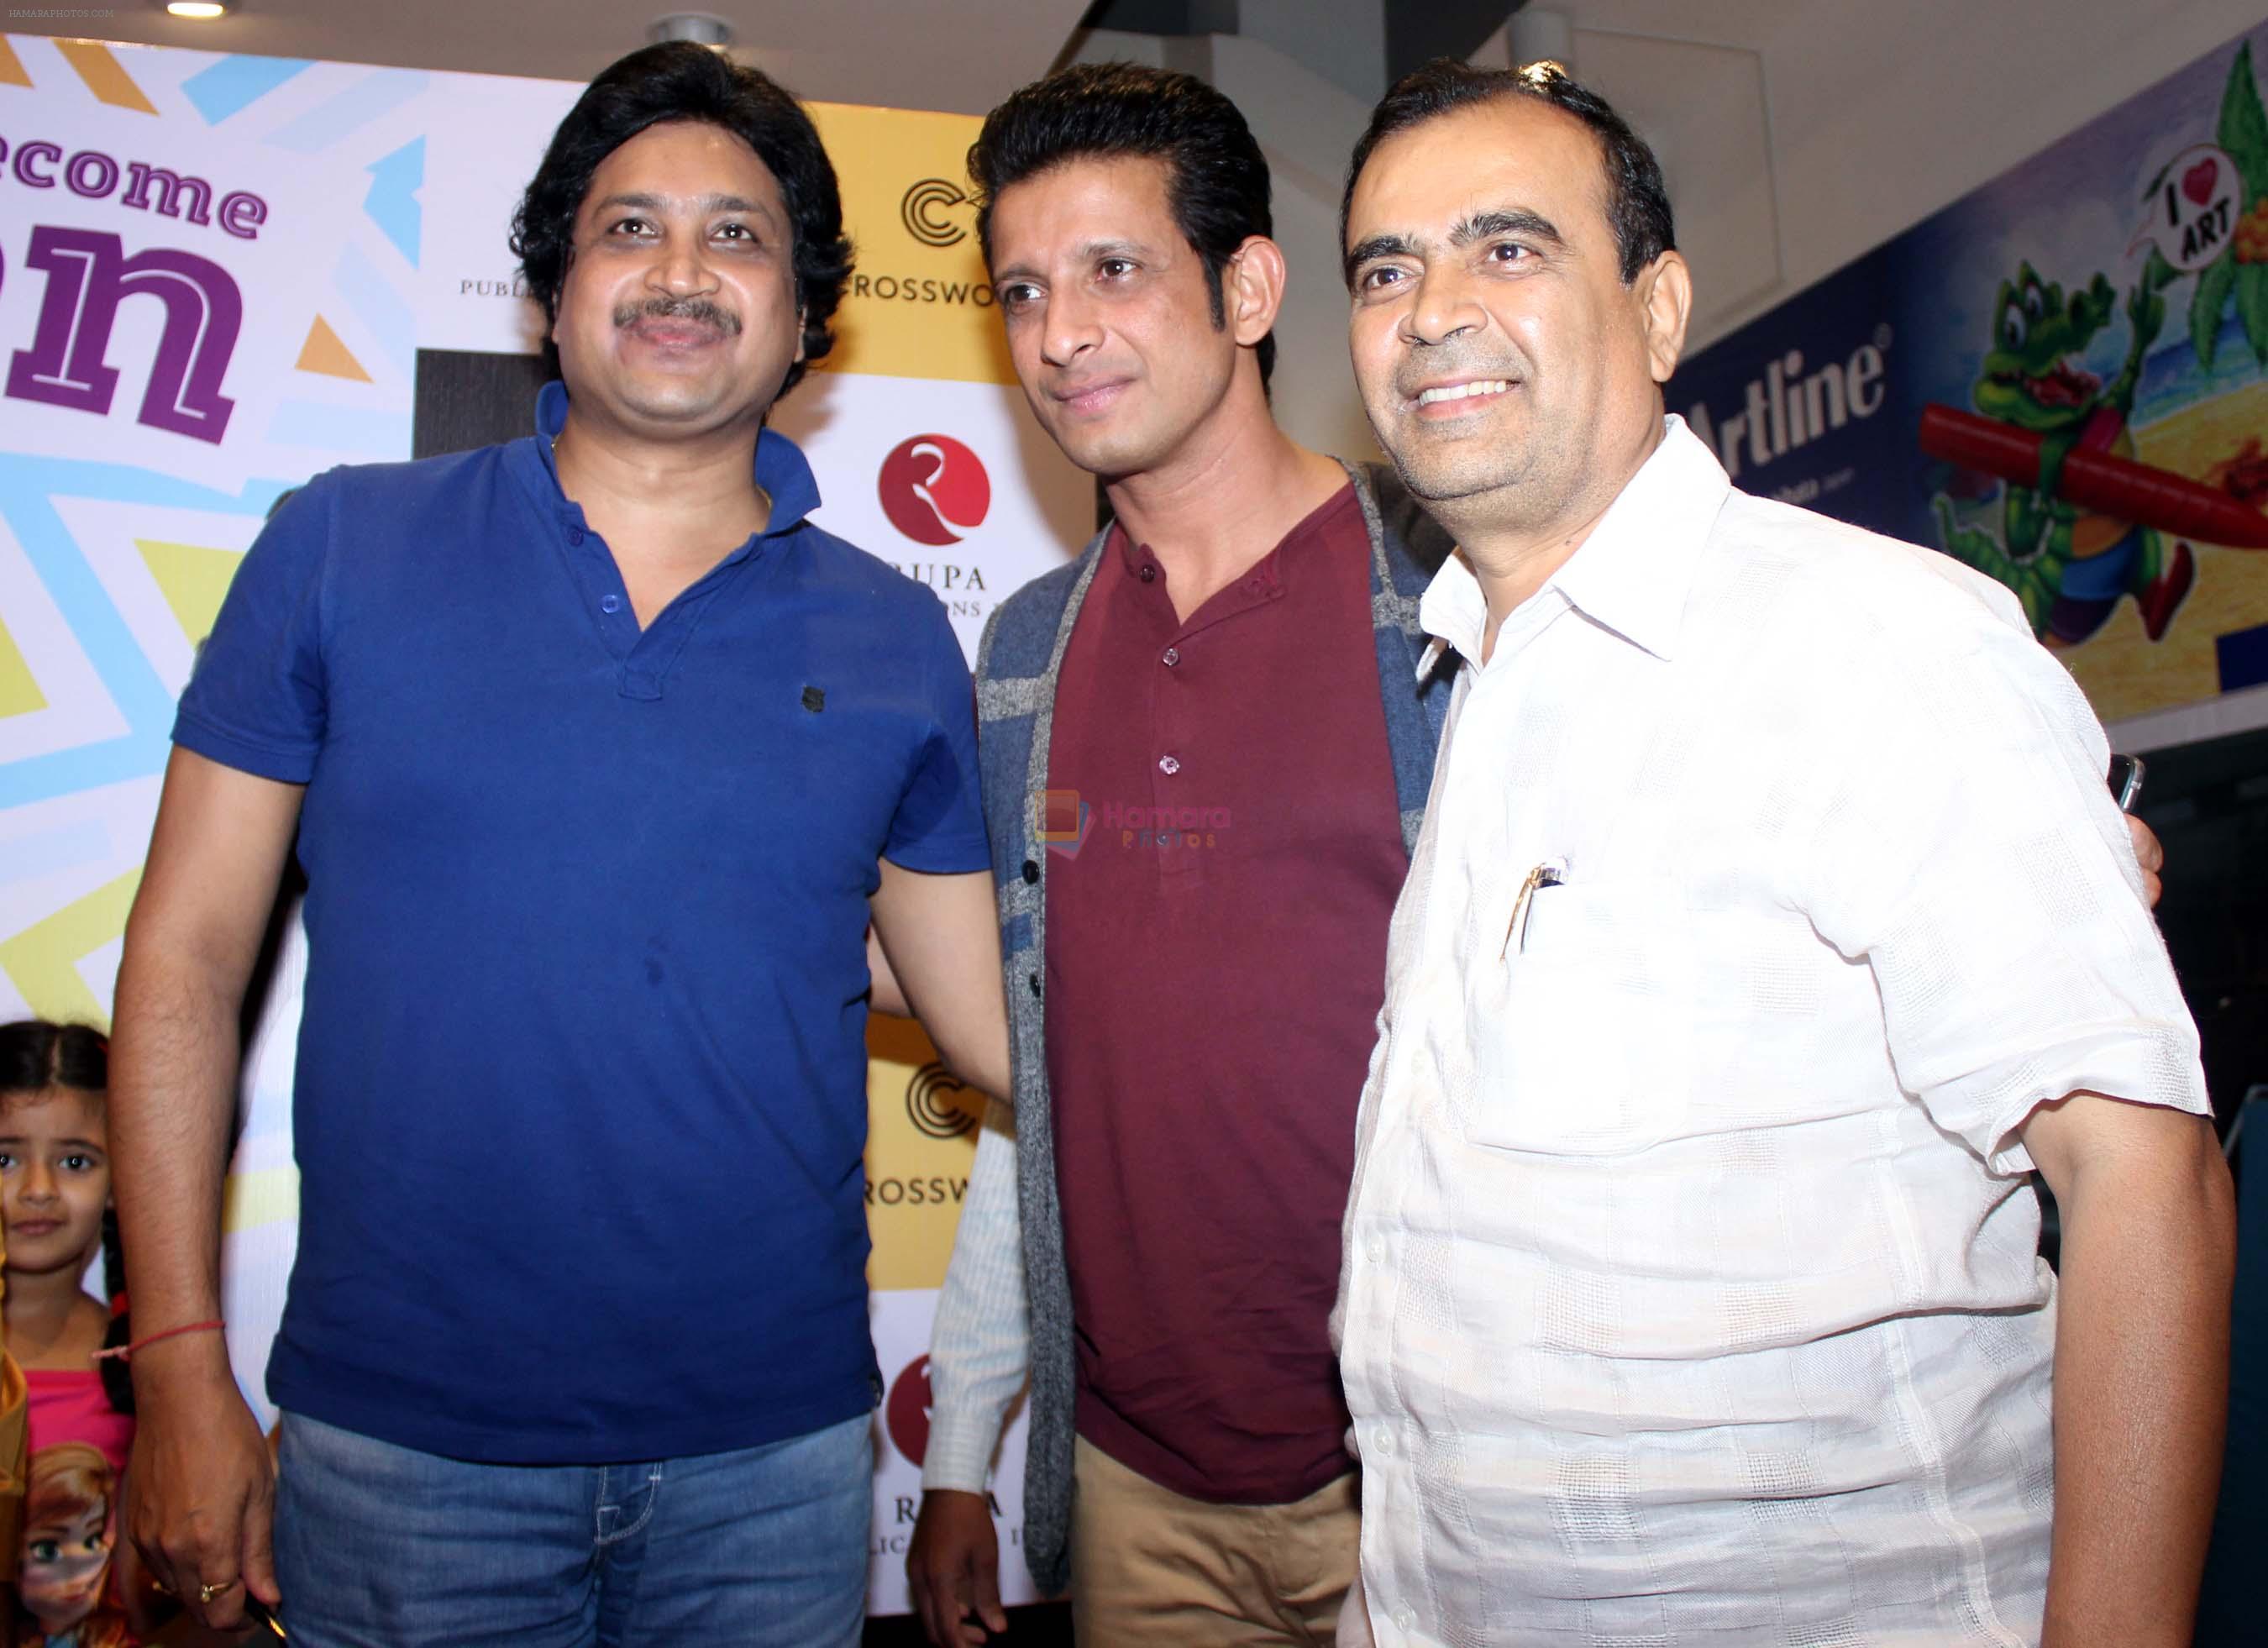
(196, 11)
(702, 28)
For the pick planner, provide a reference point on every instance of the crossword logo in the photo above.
(932, 1103)
(922, 208)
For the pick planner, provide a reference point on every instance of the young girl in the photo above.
(55, 1196)
(54, 1202)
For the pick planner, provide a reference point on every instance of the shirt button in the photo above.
(1406, 1618)
(1168, 765)
(1149, 575)
(1035, 983)
(610, 603)
(574, 534)
(1173, 657)
(1031, 870)
(1382, 1442)
(1377, 1250)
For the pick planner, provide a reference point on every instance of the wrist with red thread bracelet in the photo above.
(125, 1352)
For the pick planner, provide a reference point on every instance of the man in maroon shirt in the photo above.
(1214, 943)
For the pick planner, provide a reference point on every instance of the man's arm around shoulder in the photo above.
(203, 1488)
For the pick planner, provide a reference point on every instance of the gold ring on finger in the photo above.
(208, 1594)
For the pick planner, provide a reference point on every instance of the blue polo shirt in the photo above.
(582, 1076)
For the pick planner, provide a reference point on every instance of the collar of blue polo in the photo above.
(781, 468)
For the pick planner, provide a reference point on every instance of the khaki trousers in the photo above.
(1148, 1566)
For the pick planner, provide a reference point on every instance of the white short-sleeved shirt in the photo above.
(1691, 1291)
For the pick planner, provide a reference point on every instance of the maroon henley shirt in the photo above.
(1215, 956)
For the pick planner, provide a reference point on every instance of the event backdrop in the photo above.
(221, 275)
(2105, 300)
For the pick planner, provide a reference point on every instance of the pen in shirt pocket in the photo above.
(1551, 872)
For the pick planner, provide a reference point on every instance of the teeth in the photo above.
(1487, 386)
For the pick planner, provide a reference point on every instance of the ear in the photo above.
(799, 312)
(1665, 296)
(1252, 285)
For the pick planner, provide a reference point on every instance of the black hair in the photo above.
(36, 1054)
(1638, 201)
(680, 81)
(1216, 179)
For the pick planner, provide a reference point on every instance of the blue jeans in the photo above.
(384, 1547)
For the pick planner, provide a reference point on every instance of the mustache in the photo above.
(702, 311)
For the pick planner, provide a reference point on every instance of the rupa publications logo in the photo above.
(905, 1411)
(930, 484)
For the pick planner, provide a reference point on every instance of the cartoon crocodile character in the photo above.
(2070, 567)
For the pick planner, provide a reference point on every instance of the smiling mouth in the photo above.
(37, 1227)
(1474, 390)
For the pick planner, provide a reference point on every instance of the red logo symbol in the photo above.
(906, 1412)
(2197, 181)
(930, 485)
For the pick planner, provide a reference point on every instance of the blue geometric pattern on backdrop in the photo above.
(27, 488)
(234, 82)
(378, 93)
(392, 203)
(379, 307)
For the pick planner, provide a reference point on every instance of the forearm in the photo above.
(172, 1082)
(980, 1345)
(884, 993)
(2141, 1385)
(940, 936)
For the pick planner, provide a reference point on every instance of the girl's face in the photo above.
(54, 1178)
(64, 1563)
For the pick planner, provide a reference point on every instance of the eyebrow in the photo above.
(1478, 226)
(78, 1143)
(704, 204)
(1517, 221)
(1091, 252)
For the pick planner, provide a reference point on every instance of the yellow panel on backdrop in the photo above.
(19, 691)
(920, 1131)
(919, 303)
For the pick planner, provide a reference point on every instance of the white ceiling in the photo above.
(962, 55)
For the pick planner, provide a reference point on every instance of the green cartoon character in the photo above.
(2070, 567)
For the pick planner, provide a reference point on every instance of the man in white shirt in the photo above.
(1770, 919)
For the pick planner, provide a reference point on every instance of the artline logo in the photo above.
(932, 484)
(923, 210)
(905, 1411)
(1788, 407)
(931, 1107)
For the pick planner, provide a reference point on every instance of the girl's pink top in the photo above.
(72, 1407)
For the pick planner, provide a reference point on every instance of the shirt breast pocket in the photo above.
(1606, 1013)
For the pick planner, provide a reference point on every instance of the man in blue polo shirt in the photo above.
(598, 754)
